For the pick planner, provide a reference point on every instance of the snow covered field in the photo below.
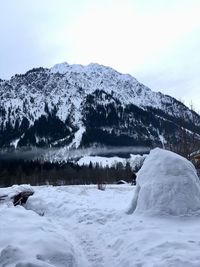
(135, 161)
(155, 224)
(82, 226)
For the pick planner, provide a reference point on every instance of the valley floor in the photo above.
(81, 226)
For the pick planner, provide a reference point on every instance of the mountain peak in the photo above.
(83, 105)
(61, 68)
(64, 67)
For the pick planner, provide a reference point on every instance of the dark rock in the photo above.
(21, 198)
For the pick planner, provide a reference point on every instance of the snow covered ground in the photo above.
(135, 161)
(102, 161)
(82, 226)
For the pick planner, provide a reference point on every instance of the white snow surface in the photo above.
(102, 161)
(77, 138)
(135, 161)
(89, 227)
(167, 184)
(30, 240)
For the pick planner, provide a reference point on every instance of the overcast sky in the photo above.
(157, 41)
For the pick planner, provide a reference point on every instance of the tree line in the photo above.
(43, 173)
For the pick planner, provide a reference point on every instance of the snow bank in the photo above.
(10, 192)
(99, 228)
(27, 239)
(166, 184)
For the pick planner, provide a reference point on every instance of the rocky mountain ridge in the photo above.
(79, 106)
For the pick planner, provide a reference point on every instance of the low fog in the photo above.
(47, 153)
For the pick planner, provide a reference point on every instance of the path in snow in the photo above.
(88, 213)
(110, 237)
(91, 225)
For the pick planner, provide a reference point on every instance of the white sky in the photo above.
(157, 41)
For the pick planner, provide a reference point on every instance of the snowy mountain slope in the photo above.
(79, 105)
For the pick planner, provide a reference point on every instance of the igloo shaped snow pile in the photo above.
(166, 184)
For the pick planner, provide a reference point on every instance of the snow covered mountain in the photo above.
(75, 105)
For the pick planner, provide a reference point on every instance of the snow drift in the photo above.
(166, 184)
(30, 240)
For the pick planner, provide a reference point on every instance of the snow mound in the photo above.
(167, 184)
(29, 240)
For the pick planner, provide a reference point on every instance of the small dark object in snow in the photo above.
(133, 178)
(101, 186)
(3, 197)
(121, 182)
(21, 197)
